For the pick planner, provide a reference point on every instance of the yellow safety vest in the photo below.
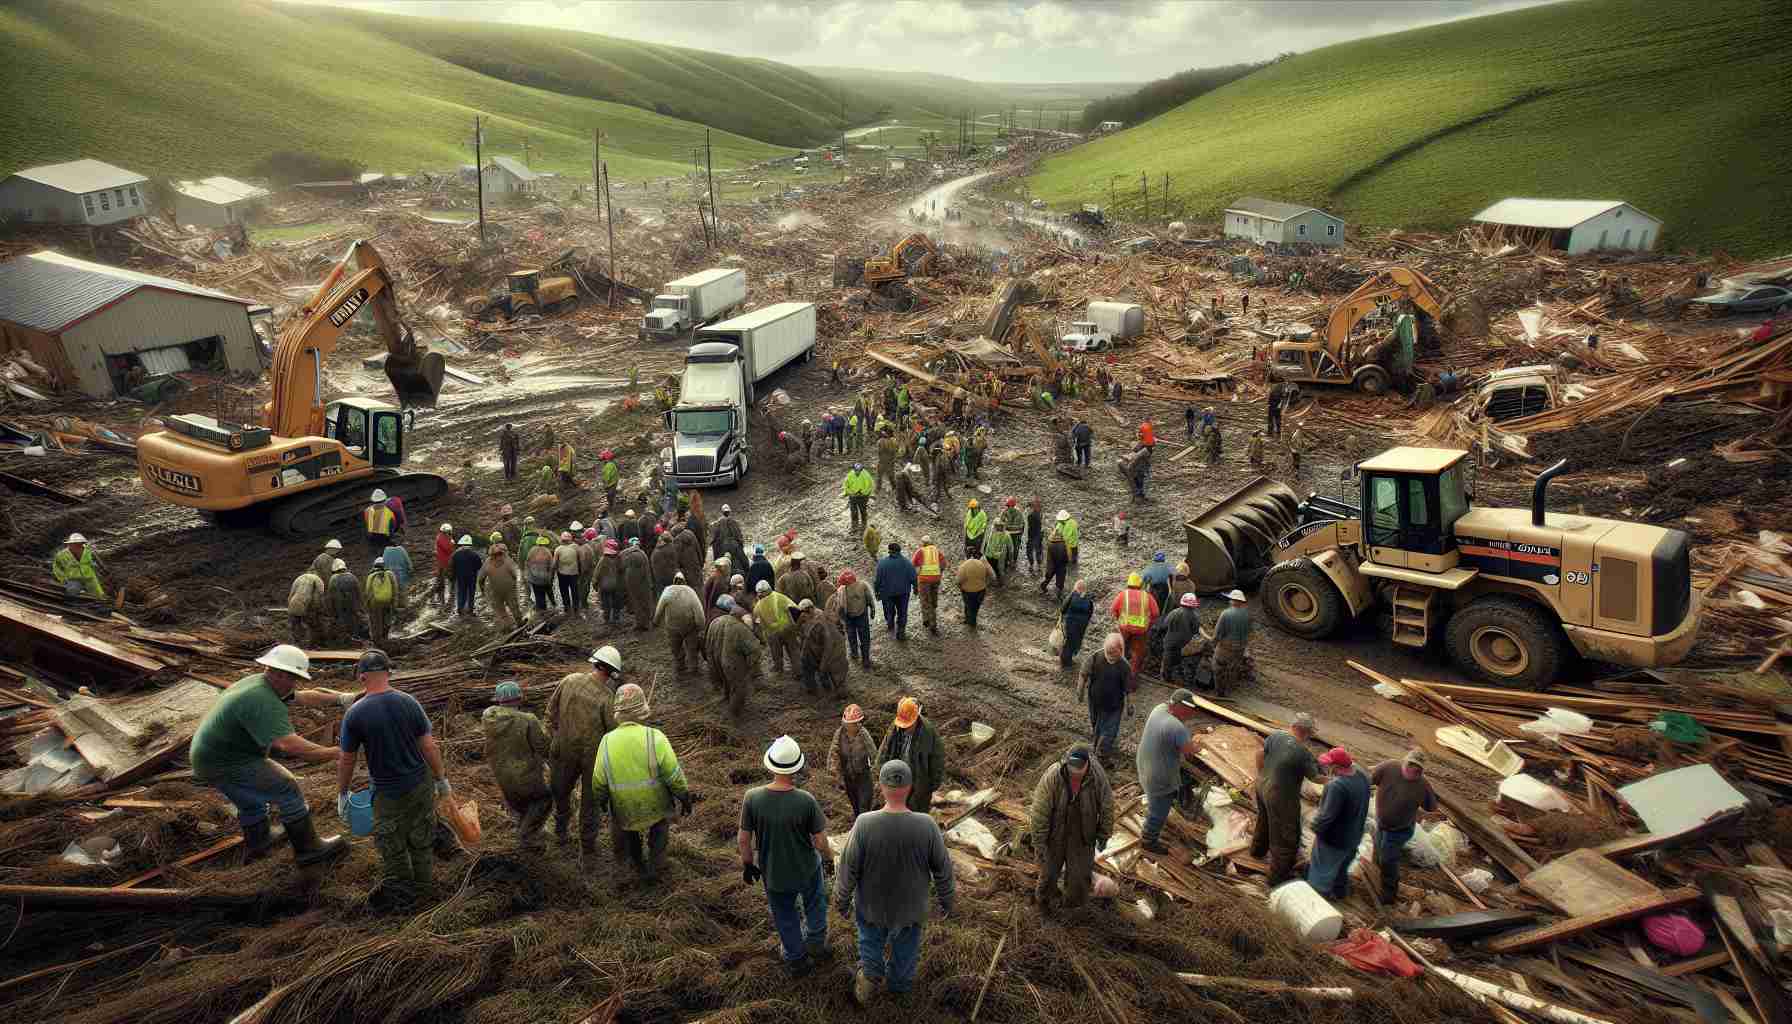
(773, 611)
(566, 458)
(1133, 608)
(975, 522)
(379, 520)
(930, 563)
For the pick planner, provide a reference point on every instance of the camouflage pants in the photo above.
(404, 831)
(1228, 665)
(782, 644)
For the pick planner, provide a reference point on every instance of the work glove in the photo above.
(443, 789)
(750, 873)
(344, 698)
(686, 801)
(342, 806)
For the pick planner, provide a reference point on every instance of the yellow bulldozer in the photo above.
(532, 293)
(1511, 595)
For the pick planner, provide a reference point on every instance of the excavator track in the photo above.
(337, 509)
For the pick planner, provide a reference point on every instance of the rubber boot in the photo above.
(307, 848)
(1390, 883)
(258, 839)
(535, 817)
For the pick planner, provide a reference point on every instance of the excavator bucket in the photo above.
(1237, 535)
(416, 376)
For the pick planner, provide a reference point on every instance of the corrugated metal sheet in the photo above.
(48, 291)
(80, 176)
(1547, 213)
(165, 360)
(150, 319)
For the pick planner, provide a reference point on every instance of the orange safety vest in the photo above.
(1133, 609)
(930, 563)
(379, 520)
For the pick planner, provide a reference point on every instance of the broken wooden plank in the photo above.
(227, 843)
(80, 897)
(1470, 925)
(39, 488)
(54, 632)
(1486, 834)
(1697, 963)
(1647, 841)
(1685, 993)
(1583, 883)
(152, 805)
(1671, 899)
(1762, 992)
(1485, 990)
(1280, 988)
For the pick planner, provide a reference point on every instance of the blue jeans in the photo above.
(1390, 844)
(1328, 870)
(800, 932)
(253, 788)
(896, 612)
(858, 634)
(1106, 726)
(905, 952)
(1157, 811)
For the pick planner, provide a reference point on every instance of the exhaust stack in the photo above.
(1540, 490)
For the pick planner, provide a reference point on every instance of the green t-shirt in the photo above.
(238, 729)
(782, 822)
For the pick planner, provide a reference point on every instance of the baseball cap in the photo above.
(373, 660)
(895, 774)
(1414, 757)
(1303, 721)
(1337, 756)
(1077, 756)
(1183, 698)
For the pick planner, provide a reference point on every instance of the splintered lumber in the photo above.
(1697, 963)
(1583, 883)
(227, 843)
(79, 897)
(1671, 899)
(1485, 834)
(1648, 841)
(54, 632)
(1269, 987)
(1485, 990)
(1682, 992)
(1469, 925)
(1769, 1005)
(983, 989)
(24, 486)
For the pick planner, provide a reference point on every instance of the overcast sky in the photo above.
(991, 40)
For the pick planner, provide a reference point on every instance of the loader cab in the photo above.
(1411, 500)
(356, 421)
(525, 282)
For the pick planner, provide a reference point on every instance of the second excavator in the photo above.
(1336, 357)
(307, 467)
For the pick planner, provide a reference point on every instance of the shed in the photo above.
(216, 202)
(1575, 225)
(89, 323)
(77, 192)
(1267, 220)
(506, 175)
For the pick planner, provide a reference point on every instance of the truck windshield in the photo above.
(706, 421)
(668, 302)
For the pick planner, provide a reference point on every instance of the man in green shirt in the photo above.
(783, 840)
(230, 752)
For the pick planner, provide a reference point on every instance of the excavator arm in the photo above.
(360, 278)
(911, 257)
(1393, 283)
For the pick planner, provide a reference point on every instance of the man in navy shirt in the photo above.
(408, 777)
(894, 581)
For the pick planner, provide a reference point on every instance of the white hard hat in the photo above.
(332, 545)
(1234, 595)
(726, 507)
(1063, 515)
(609, 657)
(466, 539)
(577, 526)
(287, 658)
(338, 565)
(378, 495)
(75, 538)
(784, 757)
(447, 527)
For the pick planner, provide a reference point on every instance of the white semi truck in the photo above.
(721, 374)
(694, 300)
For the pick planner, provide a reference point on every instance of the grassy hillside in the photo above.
(1681, 109)
(193, 87)
(919, 96)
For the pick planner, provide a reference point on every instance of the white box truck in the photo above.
(1121, 320)
(709, 424)
(694, 300)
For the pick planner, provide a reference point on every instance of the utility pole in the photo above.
(709, 166)
(1145, 190)
(610, 219)
(526, 162)
(479, 173)
(597, 172)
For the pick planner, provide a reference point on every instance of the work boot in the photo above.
(258, 839)
(1390, 883)
(1154, 845)
(864, 988)
(307, 848)
(799, 967)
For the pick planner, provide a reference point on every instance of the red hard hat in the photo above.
(847, 578)
(1011, 502)
(606, 454)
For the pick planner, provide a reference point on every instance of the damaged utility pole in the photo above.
(710, 168)
(610, 219)
(479, 175)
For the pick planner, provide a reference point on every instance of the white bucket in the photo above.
(1301, 906)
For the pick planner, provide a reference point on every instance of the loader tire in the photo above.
(1299, 597)
(523, 310)
(1506, 641)
(1372, 380)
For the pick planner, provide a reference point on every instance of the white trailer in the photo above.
(695, 300)
(1121, 320)
(768, 338)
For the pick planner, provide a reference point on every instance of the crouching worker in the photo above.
(516, 746)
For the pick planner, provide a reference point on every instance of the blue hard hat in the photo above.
(1158, 557)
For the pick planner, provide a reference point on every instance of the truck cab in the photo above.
(1519, 391)
(709, 425)
(669, 317)
(1085, 336)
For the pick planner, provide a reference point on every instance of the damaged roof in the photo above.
(47, 291)
(220, 190)
(81, 176)
(511, 164)
(1549, 213)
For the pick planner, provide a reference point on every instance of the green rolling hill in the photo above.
(183, 88)
(1681, 109)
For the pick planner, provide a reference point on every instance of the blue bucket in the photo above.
(360, 812)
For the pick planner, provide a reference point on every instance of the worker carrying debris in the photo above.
(229, 752)
(637, 776)
(579, 716)
(516, 746)
(77, 567)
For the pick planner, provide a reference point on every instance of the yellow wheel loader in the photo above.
(1511, 595)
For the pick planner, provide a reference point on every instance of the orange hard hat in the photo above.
(908, 712)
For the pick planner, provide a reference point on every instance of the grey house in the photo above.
(1266, 220)
(77, 192)
(506, 175)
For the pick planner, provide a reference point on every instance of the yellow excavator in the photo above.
(911, 257)
(1334, 357)
(309, 467)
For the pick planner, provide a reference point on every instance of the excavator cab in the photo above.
(369, 430)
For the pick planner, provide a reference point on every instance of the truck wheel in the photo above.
(1507, 642)
(741, 474)
(1302, 600)
(1372, 380)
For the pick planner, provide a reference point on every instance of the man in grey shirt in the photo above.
(1162, 744)
(890, 856)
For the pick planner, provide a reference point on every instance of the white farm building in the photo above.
(1575, 225)
(216, 202)
(78, 192)
(1267, 220)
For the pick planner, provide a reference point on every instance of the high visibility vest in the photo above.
(1068, 529)
(381, 587)
(1134, 608)
(930, 563)
(975, 522)
(1147, 436)
(566, 453)
(611, 474)
(379, 520)
(858, 484)
(630, 766)
(773, 611)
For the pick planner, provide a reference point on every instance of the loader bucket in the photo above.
(416, 377)
(1238, 533)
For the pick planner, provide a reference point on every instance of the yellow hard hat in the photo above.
(1135, 580)
(972, 504)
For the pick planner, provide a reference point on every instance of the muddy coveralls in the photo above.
(497, 577)
(680, 613)
(1286, 764)
(589, 552)
(849, 759)
(942, 478)
(663, 563)
(798, 583)
(689, 548)
(1180, 626)
(579, 714)
(345, 607)
(637, 582)
(516, 746)
(925, 753)
(887, 449)
(825, 661)
(729, 540)
(775, 613)
(906, 490)
(607, 577)
(1066, 829)
(738, 652)
(305, 610)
